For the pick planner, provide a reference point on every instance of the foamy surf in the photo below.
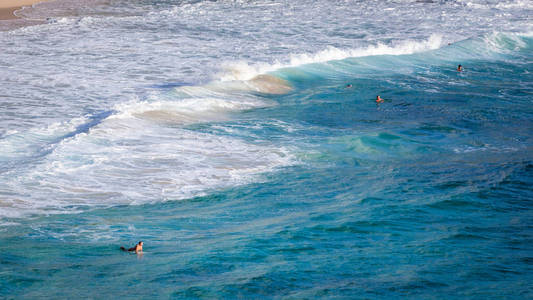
(17, 145)
(186, 110)
(247, 71)
(266, 84)
(140, 141)
(166, 163)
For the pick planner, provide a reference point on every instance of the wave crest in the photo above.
(245, 71)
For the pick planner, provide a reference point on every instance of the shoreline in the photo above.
(8, 7)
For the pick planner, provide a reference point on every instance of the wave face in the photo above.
(242, 142)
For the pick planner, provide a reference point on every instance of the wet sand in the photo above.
(8, 7)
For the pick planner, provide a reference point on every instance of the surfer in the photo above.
(459, 68)
(137, 248)
(379, 99)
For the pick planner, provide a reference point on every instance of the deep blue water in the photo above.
(427, 195)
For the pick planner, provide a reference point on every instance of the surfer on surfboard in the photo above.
(137, 248)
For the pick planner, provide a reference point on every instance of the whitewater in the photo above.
(240, 140)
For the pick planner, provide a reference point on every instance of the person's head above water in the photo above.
(459, 68)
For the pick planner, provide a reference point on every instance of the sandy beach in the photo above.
(8, 7)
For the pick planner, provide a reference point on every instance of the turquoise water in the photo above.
(239, 192)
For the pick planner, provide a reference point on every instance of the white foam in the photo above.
(187, 110)
(244, 71)
(484, 148)
(505, 4)
(505, 42)
(134, 157)
(16, 144)
(176, 164)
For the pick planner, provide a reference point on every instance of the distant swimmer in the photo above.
(379, 99)
(137, 248)
(349, 85)
(459, 68)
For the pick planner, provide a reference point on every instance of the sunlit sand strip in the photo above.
(8, 7)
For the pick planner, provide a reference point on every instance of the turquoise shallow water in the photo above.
(314, 193)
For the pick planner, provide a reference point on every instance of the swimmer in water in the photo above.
(349, 85)
(379, 99)
(459, 68)
(137, 248)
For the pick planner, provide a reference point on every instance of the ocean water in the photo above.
(241, 141)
